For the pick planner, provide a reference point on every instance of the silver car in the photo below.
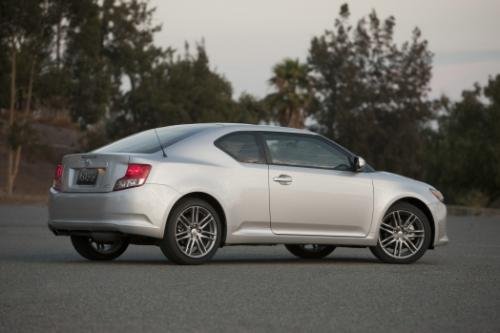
(191, 189)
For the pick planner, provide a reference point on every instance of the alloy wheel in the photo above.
(104, 248)
(313, 247)
(195, 231)
(401, 234)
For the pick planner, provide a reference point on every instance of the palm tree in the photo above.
(292, 100)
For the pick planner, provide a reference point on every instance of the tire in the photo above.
(92, 250)
(401, 240)
(193, 233)
(310, 251)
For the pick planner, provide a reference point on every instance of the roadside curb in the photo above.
(24, 199)
(472, 211)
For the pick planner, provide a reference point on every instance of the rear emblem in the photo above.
(87, 162)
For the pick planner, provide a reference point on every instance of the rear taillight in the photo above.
(135, 175)
(57, 183)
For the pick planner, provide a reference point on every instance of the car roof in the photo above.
(246, 127)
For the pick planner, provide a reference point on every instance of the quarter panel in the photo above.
(240, 188)
(139, 210)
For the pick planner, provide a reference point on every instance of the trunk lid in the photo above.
(93, 172)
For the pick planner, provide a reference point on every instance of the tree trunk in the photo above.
(12, 85)
(15, 154)
(58, 44)
(296, 119)
(17, 161)
(9, 183)
(10, 163)
(30, 91)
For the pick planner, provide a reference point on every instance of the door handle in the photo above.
(283, 179)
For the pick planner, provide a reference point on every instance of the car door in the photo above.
(313, 190)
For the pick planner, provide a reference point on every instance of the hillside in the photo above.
(38, 160)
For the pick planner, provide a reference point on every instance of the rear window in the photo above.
(147, 142)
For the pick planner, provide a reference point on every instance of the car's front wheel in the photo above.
(404, 235)
(193, 233)
(310, 251)
(95, 250)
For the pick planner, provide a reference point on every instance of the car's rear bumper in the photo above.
(439, 213)
(138, 211)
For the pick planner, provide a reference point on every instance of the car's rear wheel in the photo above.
(95, 250)
(404, 235)
(193, 233)
(310, 251)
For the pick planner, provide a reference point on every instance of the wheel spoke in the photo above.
(410, 245)
(184, 221)
(207, 237)
(191, 247)
(194, 214)
(188, 243)
(181, 233)
(409, 221)
(387, 227)
(388, 240)
(183, 237)
(206, 223)
(202, 247)
(397, 218)
(397, 248)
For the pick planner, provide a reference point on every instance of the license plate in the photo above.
(87, 176)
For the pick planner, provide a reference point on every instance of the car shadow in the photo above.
(221, 260)
(232, 261)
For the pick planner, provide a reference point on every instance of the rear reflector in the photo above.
(57, 183)
(135, 175)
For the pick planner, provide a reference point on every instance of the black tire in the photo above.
(317, 251)
(384, 255)
(86, 247)
(170, 245)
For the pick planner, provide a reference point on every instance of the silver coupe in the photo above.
(191, 189)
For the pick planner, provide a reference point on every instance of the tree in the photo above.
(107, 41)
(250, 110)
(175, 90)
(373, 93)
(25, 30)
(291, 103)
(90, 89)
(465, 154)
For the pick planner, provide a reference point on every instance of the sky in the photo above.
(244, 39)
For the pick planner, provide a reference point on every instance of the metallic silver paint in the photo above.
(317, 207)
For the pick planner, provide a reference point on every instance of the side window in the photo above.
(242, 147)
(305, 151)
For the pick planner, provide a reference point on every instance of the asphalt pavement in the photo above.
(45, 286)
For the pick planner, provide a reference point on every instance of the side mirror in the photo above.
(359, 163)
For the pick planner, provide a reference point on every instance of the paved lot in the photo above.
(46, 286)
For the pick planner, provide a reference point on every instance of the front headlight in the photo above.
(437, 194)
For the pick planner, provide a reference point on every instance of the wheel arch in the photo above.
(212, 201)
(423, 207)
